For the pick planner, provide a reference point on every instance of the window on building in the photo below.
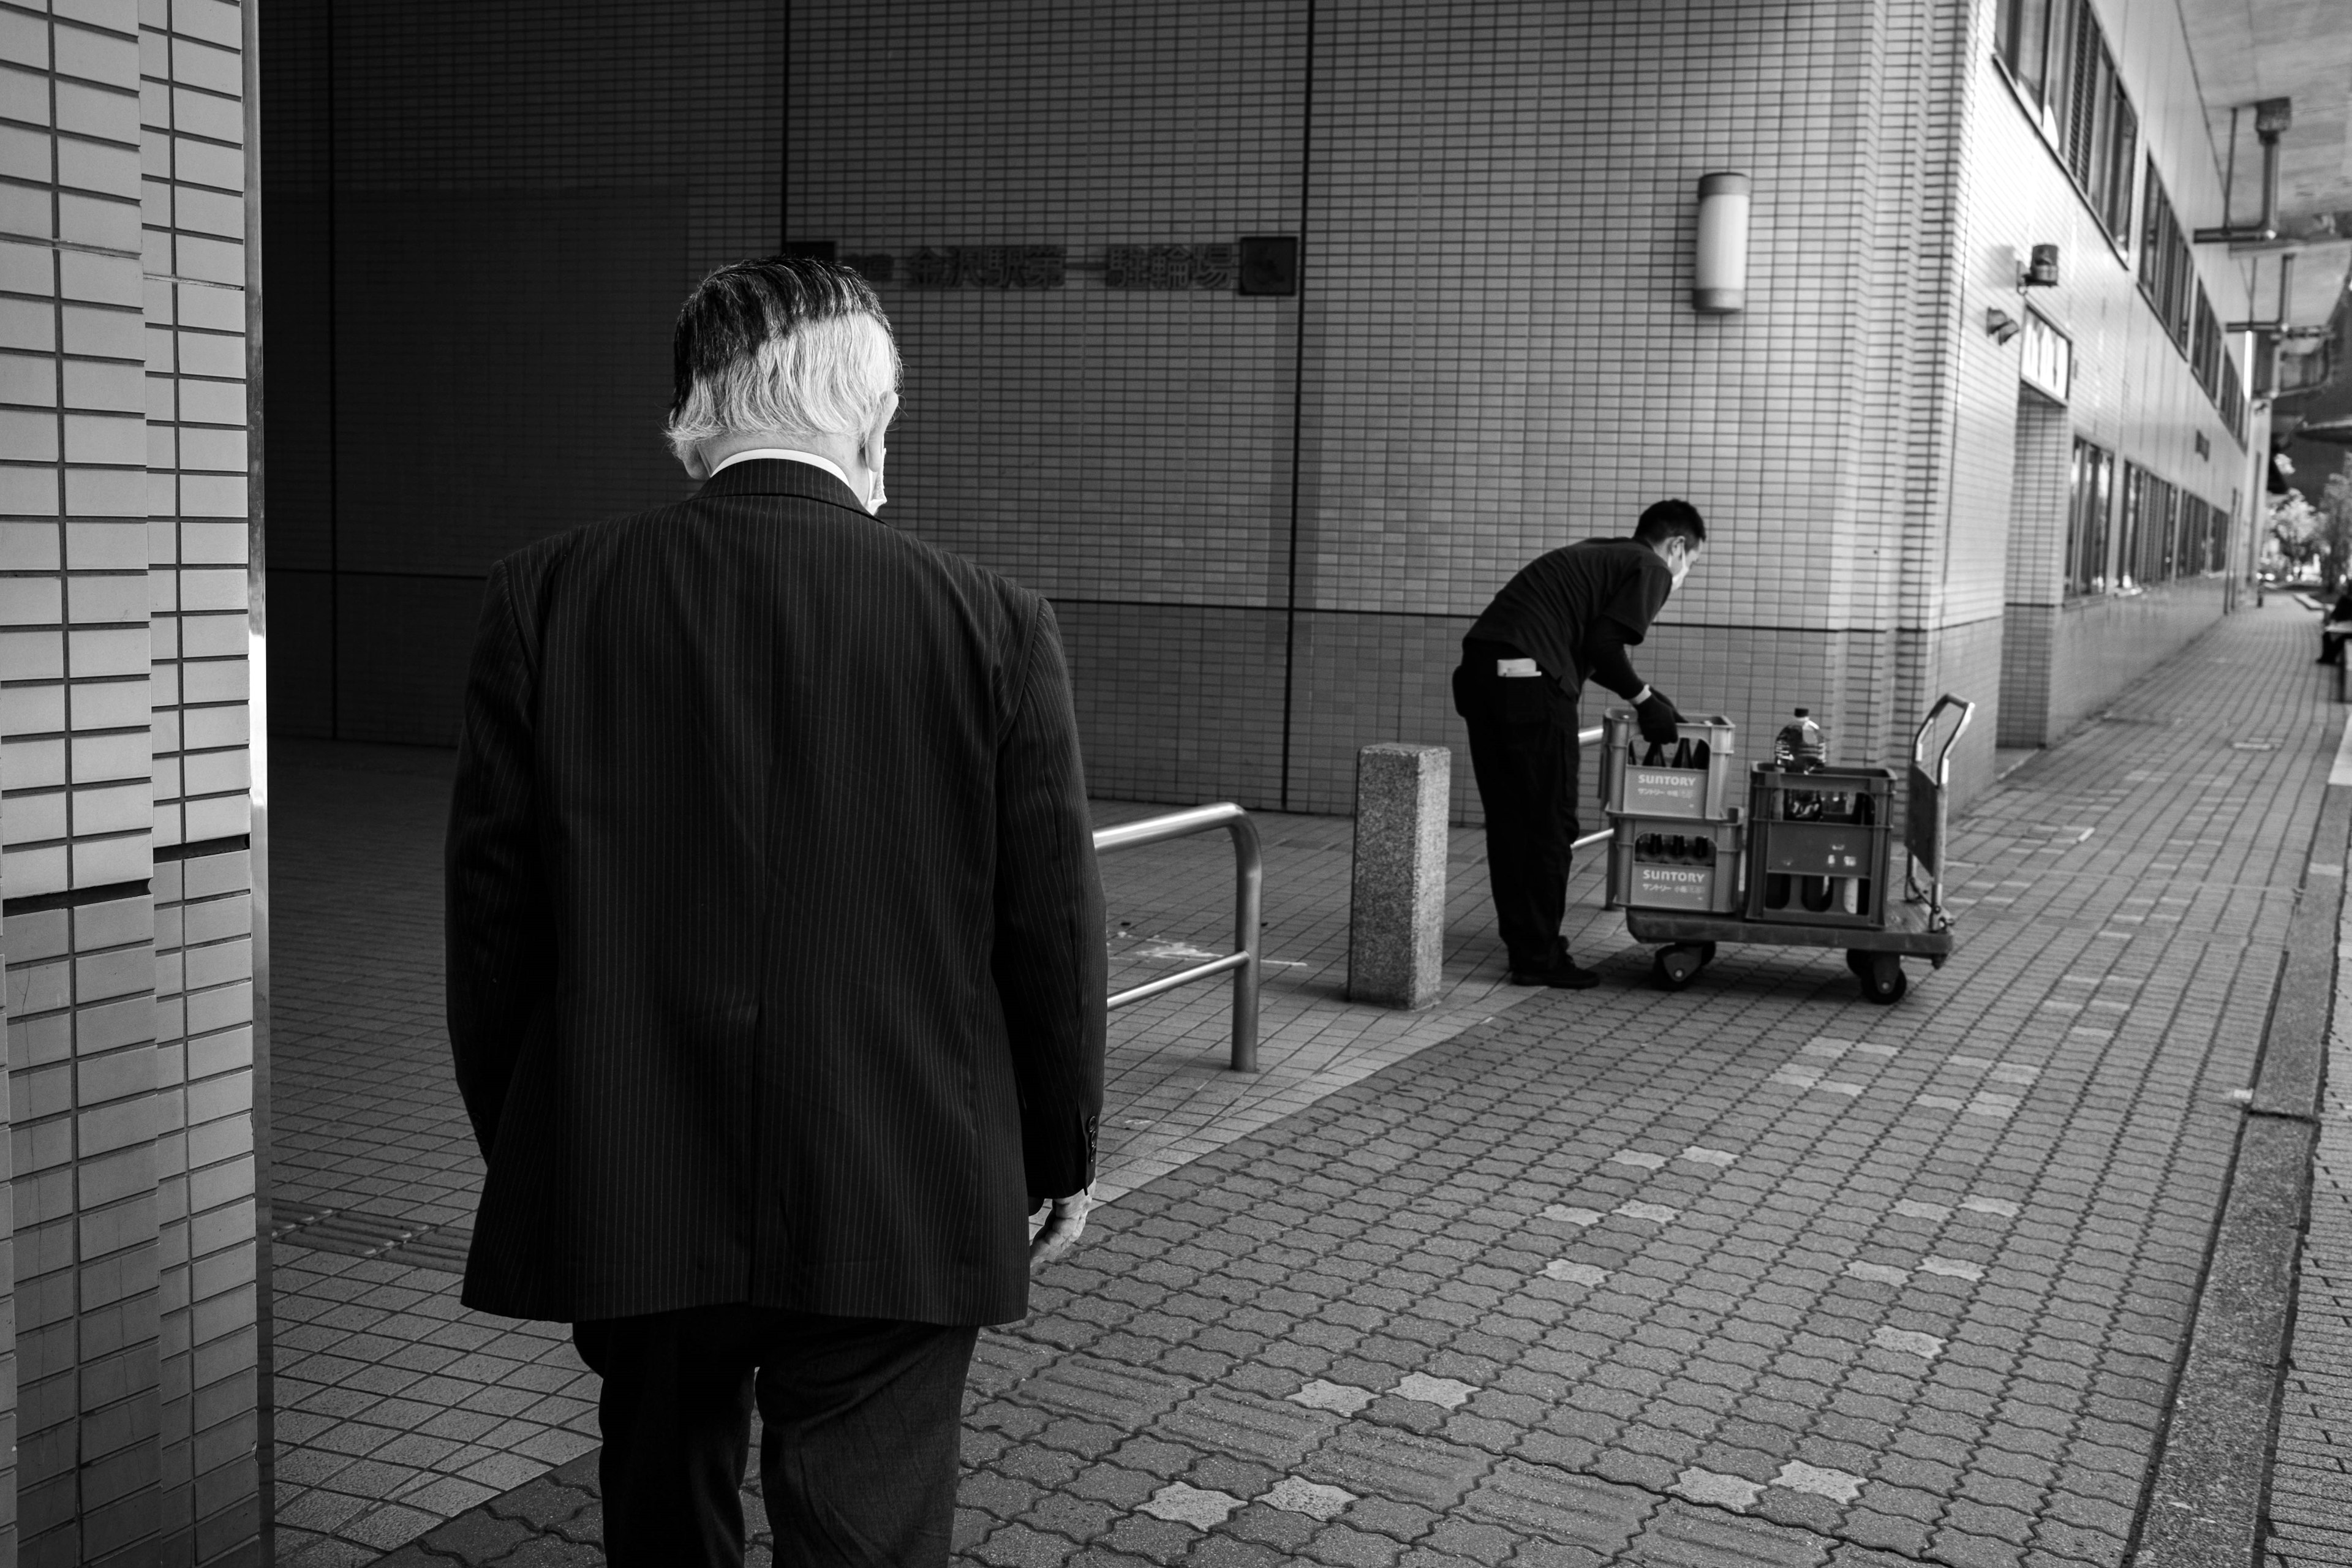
(2090, 107)
(2167, 273)
(2127, 535)
(2169, 551)
(2058, 55)
(2021, 29)
(2149, 545)
(2168, 281)
(2206, 559)
(2233, 400)
(2123, 163)
(2205, 347)
(2086, 519)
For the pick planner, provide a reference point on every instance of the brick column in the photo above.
(1396, 924)
(123, 839)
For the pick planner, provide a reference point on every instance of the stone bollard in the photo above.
(1396, 926)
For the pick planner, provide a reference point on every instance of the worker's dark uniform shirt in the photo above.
(1576, 610)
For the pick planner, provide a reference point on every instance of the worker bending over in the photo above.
(1567, 617)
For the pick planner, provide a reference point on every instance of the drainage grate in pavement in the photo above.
(354, 1234)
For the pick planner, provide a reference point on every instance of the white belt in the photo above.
(1516, 668)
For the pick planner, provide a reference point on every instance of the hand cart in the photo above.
(1919, 926)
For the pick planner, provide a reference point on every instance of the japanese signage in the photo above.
(982, 267)
(1163, 267)
(1170, 267)
(2048, 364)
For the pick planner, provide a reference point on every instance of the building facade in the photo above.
(131, 1373)
(1267, 506)
(1267, 339)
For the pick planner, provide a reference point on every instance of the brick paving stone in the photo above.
(1399, 1225)
(2309, 1512)
(1680, 1535)
(1402, 1466)
(1716, 1487)
(1561, 1506)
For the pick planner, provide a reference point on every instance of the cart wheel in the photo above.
(1857, 963)
(1881, 980)
(1707, 952)
(1675, 967)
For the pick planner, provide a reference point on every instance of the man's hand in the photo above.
(1659, 719)
(1062, 1229)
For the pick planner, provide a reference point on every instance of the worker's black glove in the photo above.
(1659, 720)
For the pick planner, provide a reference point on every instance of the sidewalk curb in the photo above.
(2206, 1499)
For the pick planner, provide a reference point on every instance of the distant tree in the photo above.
(2296, 529)
(2336, 519)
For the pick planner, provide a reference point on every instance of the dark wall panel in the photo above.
(301, 652)
(401, 645)
(502, 368)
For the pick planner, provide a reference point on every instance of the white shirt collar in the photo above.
(789, 455)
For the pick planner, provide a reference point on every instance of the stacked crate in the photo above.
(1819, 845)
(1676, 840)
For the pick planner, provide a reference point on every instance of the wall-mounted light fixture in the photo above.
(2041, 268)
(2000, 326)
(1719, 270)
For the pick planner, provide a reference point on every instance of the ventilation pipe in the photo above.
(2273, 116)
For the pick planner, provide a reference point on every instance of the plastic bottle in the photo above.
(1800, 744)
(1800, 747)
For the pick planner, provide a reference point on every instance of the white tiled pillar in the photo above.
(124, 854)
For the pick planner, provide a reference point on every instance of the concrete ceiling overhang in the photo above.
(2247, 50)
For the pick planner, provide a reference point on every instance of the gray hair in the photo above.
(789, 343)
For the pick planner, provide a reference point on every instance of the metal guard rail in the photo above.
(1249, 890)
(1586, 738)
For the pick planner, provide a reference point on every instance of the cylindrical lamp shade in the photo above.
(1719, 273)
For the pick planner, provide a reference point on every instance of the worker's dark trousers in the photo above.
(1523, 751)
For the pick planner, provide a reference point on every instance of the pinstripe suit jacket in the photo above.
(775, 946)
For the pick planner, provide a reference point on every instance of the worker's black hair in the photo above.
(1670, 520)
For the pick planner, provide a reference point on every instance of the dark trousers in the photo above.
(859, 1452)
(1523, 751)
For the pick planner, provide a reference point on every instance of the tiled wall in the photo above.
(1496, 354)
(2133, 392)
(124, 758)
(471, 346)
(1265, 519)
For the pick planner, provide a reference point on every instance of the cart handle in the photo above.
(1943, 774)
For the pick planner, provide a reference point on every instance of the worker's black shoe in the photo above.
(1562, 974)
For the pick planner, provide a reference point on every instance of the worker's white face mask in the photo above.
(1683, 570)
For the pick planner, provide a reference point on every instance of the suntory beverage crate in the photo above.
(1818, 845)
(1676, 863)
(1690, 779)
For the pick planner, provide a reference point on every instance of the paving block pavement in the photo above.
(2309, 1516)
(374, 1174)
(1752, 1272)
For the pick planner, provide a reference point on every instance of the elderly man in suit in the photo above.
(775, 952)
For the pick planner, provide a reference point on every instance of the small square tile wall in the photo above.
(2133, 392)
(471, 349)
(1492, 351)
(124, 783)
